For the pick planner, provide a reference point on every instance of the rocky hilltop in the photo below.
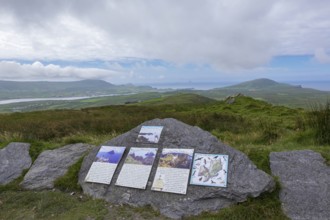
(244, 179)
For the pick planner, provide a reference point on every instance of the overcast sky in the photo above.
(154, 41)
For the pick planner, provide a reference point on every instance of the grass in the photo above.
(50, 205)
(180, 98)
(319, 120)
(266, 206)
(252, 126)
(69, 182)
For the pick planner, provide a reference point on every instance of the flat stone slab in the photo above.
(305, 181)
(52, 164)
(14, 158)
(244, 179)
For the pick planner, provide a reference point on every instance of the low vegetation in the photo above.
(319, 120)
(251, 126)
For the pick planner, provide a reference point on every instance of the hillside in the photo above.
(14, 90)
(252, 126)
(146, 98)
(262, 89)
(178, 99)
(79, 104)
(271, 91)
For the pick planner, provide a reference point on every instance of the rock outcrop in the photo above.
(52, 164)
(14, 158)
(244, 179)
(305, 181)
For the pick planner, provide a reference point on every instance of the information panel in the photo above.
(209, 170)
(137, 167)
(149, 134)
(105, 164)
(173, 171)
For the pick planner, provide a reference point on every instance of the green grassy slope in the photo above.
(178, 99)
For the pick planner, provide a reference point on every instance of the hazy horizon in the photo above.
(205, 85)
(318, 85)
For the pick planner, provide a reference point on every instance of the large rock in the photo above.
(305, 181)
(244, 179)
(52, 164)
(13, 160)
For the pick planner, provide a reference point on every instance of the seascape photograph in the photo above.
(149, 134)
(141, 156)
(176, 158)
(109, 154)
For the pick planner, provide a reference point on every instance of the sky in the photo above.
(163, 41)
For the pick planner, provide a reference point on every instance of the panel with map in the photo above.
(209, 170)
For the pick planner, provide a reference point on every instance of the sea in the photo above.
(11, 101)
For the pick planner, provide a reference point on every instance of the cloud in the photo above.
(10, 70)
(321, 56)
(228, 35)
(302, 26)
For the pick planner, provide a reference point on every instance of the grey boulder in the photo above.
(305, 181)
(52, 164)
(13, 160)
(244, 179)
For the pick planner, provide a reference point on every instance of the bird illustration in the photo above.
(212, 181)
(198, 158)
(200, 179)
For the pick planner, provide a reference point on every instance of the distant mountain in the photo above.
(42, 89)
(257, 84)
(264, 84)
(271, 91)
